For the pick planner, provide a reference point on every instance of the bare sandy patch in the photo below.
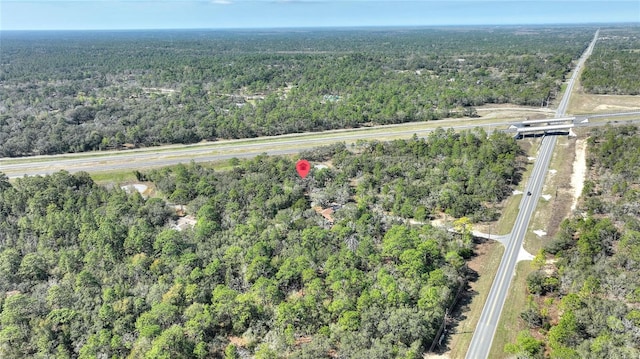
(523, 255)
(579, 171)
(185, 222)
(130, 188)
(513, 111)
(582, 103)
(609, 108)
(467, 313)
(540, 232)
(435, 356)
(158, 90)
(238, 341)
(552, 210)
(442, 221)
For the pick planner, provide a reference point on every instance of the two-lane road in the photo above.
(485, 330)
(489, 319)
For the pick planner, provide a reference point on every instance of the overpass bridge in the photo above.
(543, 126)
(548, 121)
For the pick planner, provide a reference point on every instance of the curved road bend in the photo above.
(485, 330)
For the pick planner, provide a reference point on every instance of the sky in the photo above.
(225, 14)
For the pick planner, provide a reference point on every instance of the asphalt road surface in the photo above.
(222, 150)
(485, 330)
(289, 144)
(207, 152)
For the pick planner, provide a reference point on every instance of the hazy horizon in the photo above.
(292, 14)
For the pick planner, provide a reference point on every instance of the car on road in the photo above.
(528, 193)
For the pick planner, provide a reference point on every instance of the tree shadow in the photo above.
(457, 315)
(462, 307)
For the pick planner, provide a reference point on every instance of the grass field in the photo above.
(485, 264)
(510, 323)
(113, 177)
(548, 216)
(583, 103)
(557, 205)
(493, 115)
(509, 207)
(123, 177)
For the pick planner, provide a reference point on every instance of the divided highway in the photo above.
(224, 150)
(287, 144)
(485, 330)
(215, 151)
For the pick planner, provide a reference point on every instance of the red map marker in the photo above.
(303, 167)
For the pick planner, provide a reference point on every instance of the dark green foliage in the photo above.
(526, 346)
(83, 91)
(599, 257)
(453, 173)
(614, 66)
(532, 317)
(535, 282)
(92, 272)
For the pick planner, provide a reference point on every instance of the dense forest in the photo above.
(82, 91)
(614, 66)
(589, 304)
(93, 272)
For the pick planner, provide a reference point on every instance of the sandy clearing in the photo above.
(579, 171)
(442, 222)
(610, 108)
(540, 232)
(184, 223)
(435, 356)
(504, 111)
(582, 103)
(523, 255)
(135, 187)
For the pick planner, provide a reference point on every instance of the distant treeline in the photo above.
(83, 91)
(614, 66)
